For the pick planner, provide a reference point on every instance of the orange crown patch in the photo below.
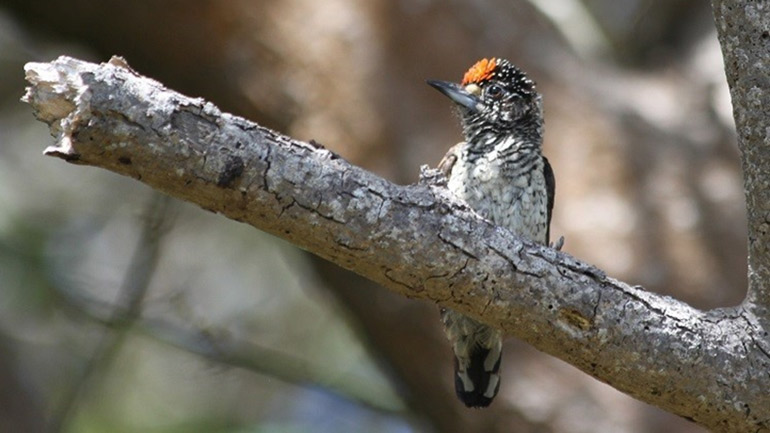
(482, 70)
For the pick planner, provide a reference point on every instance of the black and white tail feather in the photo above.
(478, 351)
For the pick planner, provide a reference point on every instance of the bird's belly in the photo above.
(518, 202)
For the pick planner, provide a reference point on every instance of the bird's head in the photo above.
(495, 99)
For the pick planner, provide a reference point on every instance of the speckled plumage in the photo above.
(500, 172)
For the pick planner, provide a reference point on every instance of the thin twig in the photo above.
(126, 311)
(215, 346)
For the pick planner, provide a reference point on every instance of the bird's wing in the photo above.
(448, 161)
(550, 186)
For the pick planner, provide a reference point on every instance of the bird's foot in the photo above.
(558, 244)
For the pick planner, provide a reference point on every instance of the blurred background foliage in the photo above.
(123, 311)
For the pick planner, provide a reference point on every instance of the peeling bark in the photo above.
(710, 367)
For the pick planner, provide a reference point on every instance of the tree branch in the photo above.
(415, 240)
(125, 314)
(217, 346)
(744, 33)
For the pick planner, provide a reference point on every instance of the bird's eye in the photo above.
(494, 91)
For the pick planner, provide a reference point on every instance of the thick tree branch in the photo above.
(415, 240)
(744, 33)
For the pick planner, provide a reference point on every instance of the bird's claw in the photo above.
(558, 244)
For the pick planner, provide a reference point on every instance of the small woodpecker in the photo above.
(500, 172)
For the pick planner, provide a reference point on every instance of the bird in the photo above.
(500, 172)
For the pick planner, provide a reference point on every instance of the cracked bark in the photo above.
(707, 366)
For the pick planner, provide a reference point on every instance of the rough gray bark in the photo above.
(707, 366)
(744, 33)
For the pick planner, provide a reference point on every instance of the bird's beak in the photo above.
(458, 94)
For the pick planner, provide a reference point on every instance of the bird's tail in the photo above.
(477, 373)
